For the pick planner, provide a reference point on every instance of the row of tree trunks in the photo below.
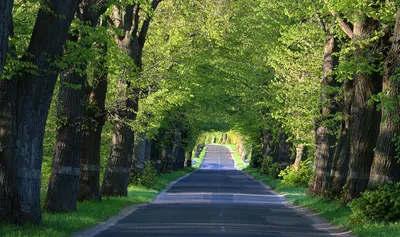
(341, 157)
(384, 166)
(63, 188)
(365, 117)
(6, 112)
(29, 111)
(116, 177)
(324, 133)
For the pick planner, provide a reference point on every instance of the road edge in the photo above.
(111, 221)
(320, 222)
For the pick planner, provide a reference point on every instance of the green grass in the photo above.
(333, 211)
(199, 159)
(239, 162)
(90, 213)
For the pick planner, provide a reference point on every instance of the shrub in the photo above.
(301, 178)
(382, 204)
(270, 168)
(149, 176)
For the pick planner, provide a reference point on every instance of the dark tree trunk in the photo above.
(116, 177)
(256, 156)
(283, 153)
(7, 111)
(5, 30)
(94, 111)
(266, 143)
(385, 166)
(147, 152)
(7, 128)
(35, 92)
(176, 144)
(324, 133)
(64, 180)
(156, 154)
(181, 158)
(139, 152)
(365, 118)
(89, 180)
(341, 157)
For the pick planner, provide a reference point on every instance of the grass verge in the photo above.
(239, 162)
(199, 160)
(91, 213)
(333, 211)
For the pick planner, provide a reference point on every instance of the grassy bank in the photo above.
(91, 213)
(199, 160)
(239, 162)
(334, 211)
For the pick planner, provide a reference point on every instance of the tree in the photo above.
(385, 166)
(131, 41)
(5, 122)
(30, 95)
(325, 126)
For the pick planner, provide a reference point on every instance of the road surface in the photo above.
(217, 200)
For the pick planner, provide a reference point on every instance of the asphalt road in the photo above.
(217, 200)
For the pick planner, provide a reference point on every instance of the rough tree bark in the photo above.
(385, 167)
(341, 157)
(5, 29)
(6, 116)
(94, 111)
(139, 153)
(324, 137)
(89, 179)
(63, 186)
(299, 155)
(116, 177)
(365, 118)
(29, 115)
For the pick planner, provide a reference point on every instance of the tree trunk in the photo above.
(35, 92)
(156, 154)
(299, 156)
(147, 152)
(94, 111)
(89, 180)
(188, 159)
(176, 145)
(324, 137)
(341, 157)
(116, 177)
(385, 166)
(283, 153)
(139, 152)
(64, 180)
(7, 128)
(6, 113)
(365, 118)
(5, 30)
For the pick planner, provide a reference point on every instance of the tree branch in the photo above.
(346, 27)
(146, 24)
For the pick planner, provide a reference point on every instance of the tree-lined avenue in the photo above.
(216, 200)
